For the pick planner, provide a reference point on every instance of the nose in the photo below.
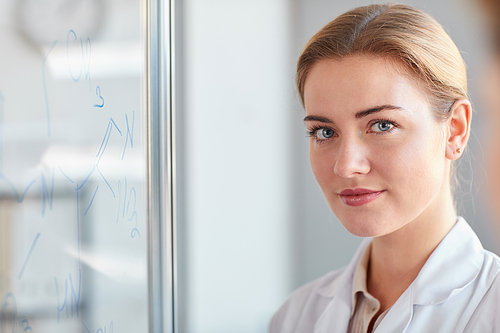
(352, 160)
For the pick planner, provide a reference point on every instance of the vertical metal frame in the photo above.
(161, 265)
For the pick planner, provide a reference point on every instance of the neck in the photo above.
(396, 258)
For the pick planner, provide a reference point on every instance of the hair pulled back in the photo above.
(401, 32)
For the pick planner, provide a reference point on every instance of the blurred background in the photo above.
(252, 222)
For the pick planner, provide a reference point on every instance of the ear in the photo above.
(458, 129)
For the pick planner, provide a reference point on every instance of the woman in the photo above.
(385, 94)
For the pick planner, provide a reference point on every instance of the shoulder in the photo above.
(485, 317)
(492, 259)
(301, 310)
(305, 305)
(310, 291)
(489, 277)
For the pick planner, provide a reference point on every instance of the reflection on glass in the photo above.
(73, 242)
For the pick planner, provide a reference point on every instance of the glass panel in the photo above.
(73, 235)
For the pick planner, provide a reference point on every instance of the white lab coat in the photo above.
(457, 290)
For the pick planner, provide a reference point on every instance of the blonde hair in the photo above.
(401, 32)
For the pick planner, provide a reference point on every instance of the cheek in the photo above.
(321, 165)
(416, 167)
(316, 166)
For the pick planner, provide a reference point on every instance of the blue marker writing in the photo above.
(44, 81)
(98, 93)
(29, 256)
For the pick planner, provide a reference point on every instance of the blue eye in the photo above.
(382, 126)
(324, 133)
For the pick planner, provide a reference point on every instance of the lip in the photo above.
(359, 196)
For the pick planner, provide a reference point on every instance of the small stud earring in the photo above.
(459, 150)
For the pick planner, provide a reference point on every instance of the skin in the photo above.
(401, 150)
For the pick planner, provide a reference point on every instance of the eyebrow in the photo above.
(365, 113)
(359, 114)
(318, 118)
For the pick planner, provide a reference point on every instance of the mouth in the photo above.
(359, 196)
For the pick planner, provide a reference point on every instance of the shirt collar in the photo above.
(360, 274)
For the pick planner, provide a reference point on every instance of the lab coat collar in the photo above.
(335, 318)
(440, 279)
(338, 286)
(453, 265)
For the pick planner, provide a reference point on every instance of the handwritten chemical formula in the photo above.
(73, 189)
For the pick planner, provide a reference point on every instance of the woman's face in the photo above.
(375, 148)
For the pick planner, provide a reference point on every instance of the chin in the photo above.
(362, 226)
(361, 231)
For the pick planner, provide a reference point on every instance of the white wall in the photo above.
(236, 164)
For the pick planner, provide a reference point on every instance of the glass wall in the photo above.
(73, 233)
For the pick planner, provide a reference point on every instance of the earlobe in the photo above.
(458, 128)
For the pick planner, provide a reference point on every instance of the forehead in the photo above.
(360, 82)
